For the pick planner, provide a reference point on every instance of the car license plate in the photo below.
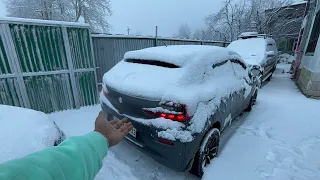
(133, 132)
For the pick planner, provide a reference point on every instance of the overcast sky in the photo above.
(141, 16)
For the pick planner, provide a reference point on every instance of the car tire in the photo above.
(208, 150)
(253, 101)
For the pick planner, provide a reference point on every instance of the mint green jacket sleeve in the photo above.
(77, 158)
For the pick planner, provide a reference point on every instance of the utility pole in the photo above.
(128, 29)
(156, 41)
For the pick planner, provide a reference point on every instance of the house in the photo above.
(307, 66)
(284, 25)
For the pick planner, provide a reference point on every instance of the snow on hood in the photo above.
(24, 131)
(252, 50)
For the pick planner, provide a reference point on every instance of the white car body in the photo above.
(25, 131)
(256, 49)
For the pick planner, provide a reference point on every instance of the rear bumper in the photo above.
(177, 156)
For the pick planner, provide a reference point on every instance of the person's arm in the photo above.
(78, 158)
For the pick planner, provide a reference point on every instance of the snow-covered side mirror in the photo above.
(271, 53)
(255, 71)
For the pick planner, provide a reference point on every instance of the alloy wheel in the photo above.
(211, 149)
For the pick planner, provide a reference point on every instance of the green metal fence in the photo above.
(46, 65)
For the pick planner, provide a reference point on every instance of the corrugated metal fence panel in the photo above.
(163, 42)
(4, 63)
(39, 48)
(85, 83)
(221, 44)
(80, 48)
(36, 70)
(82, 59)
(50, 93)
(109, 51)
(9, 92)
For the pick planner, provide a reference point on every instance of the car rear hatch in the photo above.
(134, 85)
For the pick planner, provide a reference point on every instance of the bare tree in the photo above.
(236, 17)
(184, 31)
(198, 34)
(93, 12)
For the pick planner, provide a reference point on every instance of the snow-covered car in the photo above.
(25, 131)
(257, 50)
(179, 98)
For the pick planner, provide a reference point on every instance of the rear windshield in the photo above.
(152, 63)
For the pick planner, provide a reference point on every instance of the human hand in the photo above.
(114, 130)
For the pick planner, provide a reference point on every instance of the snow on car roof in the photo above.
(252, 50)
(180, 55)
(24, 131)
(249, 34)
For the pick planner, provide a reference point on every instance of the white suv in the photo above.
(257, 49)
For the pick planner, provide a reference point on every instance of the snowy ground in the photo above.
(279, 139)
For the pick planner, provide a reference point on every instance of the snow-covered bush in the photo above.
(286, 58)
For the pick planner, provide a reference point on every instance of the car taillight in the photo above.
(165, 141)
(105, 92)
(180, 113)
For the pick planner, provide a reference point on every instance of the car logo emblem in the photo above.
(120, 100)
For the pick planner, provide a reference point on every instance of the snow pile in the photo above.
(113, 169)
(196, 81)
(252, 50)
(24, 131)
(286, 58)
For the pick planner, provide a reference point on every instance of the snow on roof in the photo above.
(151, 37)
(24, 131)
(39, 21)
(245, 34)
(180, 55)
(251, 50)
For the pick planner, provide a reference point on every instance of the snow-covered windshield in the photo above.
(152, 62)
(252, 50)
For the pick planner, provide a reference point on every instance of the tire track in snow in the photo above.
(285, 159)
(261, 131)
(307, 144)
(282, 157)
